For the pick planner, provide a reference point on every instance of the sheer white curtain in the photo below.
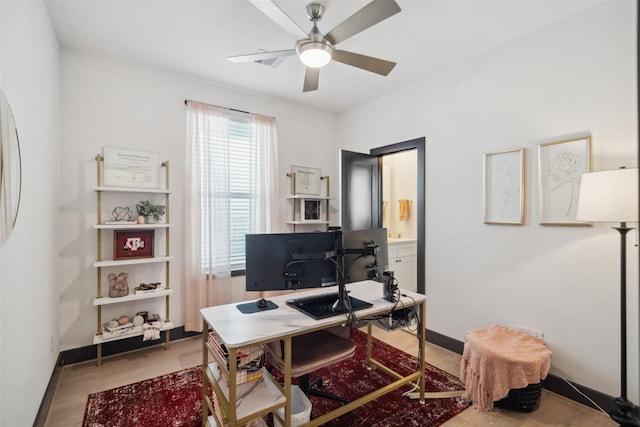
(264, 212)
(208, 205)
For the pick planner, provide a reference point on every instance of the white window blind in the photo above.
(229, 155)
(241, 163)
(232, 179)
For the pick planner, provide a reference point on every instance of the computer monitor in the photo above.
(360, 266)
(288, 261)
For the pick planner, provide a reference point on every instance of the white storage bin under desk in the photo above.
(300, 409)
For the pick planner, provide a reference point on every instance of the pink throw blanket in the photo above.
(497, 359)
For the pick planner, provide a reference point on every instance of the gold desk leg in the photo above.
(423, 348)
(205, 381)
(233, 387)
(422, 395)
(369, 342)
(287, 381)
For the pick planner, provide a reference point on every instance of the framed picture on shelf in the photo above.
(504, 187)
(310, 210)
(129, 244)
(561, 165)
(305, 180)
(131, 168)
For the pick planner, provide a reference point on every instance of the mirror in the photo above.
(11, 172)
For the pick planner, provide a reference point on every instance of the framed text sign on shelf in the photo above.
(306, 180)
(128, 244)
(131, 168)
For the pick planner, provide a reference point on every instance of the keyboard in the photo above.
(320, 306)
(313, 298)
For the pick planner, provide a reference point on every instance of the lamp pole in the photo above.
(627, 413)
(612, 196)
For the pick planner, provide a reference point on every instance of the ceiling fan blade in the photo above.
(373, 13)
(260, 56)
(276, 14)
(368, 63)
(311, 78)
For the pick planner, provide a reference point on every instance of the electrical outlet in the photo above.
(50, 343)
(537, 334)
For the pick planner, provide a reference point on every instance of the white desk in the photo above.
(238, 330)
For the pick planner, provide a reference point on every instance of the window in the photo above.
(241, 163)
(234, 178)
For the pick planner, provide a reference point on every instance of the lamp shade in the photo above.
(609, 196)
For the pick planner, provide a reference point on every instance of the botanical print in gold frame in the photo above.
(504, 187)
(561, 165)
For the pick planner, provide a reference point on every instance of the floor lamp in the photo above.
(612, 196)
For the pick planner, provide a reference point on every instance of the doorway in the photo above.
(355, 181)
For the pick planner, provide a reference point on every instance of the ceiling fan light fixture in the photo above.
(314, 54)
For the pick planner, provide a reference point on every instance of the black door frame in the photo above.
(417, 144)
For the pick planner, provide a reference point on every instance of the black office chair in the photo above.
(311, 352)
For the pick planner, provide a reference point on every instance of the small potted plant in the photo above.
(152, 213)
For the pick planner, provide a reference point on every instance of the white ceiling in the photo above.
(194, 37)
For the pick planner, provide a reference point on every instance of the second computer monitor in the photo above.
(365, 267)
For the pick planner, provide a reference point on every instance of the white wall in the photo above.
(29, 76)
(576, 76)
(111, 103)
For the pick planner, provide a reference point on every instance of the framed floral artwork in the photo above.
(504, 187)
(561, 165)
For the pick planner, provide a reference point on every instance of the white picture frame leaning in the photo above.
(123, 167)
(561, 165)
(305, 180)
(504, 187)
(310, 210)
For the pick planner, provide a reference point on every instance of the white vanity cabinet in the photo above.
(403, 261)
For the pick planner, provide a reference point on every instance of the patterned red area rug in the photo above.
(175, 399)
(169, 400)
(352, 379)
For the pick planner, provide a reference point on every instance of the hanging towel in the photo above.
(404, 209)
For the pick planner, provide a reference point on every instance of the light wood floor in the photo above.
(79, 380)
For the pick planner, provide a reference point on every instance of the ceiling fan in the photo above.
(316, 50)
